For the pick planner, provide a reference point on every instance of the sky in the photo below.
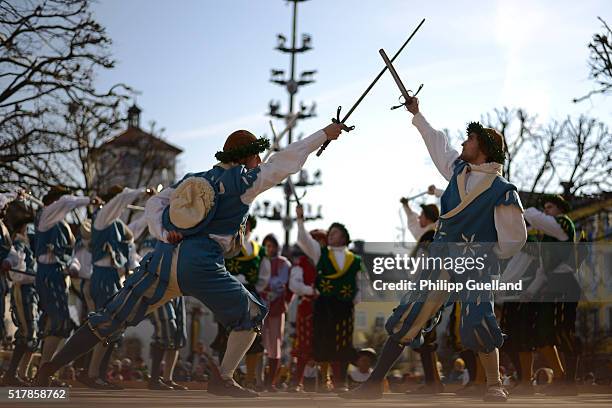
(202, 70)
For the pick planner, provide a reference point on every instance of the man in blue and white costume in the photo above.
(110, 251)
(54, 250)
(169, 323)
(197, 223)
(478, 208)
(24, 303)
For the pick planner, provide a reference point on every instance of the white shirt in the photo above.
(276, 169)
(115, 207)
(413, 223)
(54, 213)
(509, 222)
(110, 212)
(81, 262)
(545, 223)
(296, 282)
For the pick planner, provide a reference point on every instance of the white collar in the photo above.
(489, 168)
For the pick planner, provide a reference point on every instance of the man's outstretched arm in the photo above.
(286, 162)
(438, 145)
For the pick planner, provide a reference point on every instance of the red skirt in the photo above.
(302, 348)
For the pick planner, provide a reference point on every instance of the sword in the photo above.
(414, 196)
(363, 95)
(405, 93)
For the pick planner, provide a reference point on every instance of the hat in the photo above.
(191, 202)
(490, 141)
(557, 200)
(241, 144)
(431, 211)
(85, 230)
(54, 193)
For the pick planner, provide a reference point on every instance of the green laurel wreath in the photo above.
(495, 152)
(240, 152)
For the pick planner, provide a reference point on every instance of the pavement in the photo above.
(81, 397)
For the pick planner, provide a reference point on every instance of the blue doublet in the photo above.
(51, 281)
(24, 303)
(466, 229)
(109, 242)
(200, 270)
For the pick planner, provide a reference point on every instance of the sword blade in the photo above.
(395, 75)
(380, 74)
(363, 95)
(292, 186)
(416, 196)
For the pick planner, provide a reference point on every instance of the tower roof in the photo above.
(132, 136)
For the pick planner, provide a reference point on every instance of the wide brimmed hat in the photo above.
(557, 200)
(191, 202)
(241, 144)
(490, 140)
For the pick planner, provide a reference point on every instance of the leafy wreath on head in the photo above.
(495, 152)
(233, 155)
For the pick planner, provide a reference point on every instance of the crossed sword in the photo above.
(407, 98)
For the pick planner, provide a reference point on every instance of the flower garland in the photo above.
(240, 152)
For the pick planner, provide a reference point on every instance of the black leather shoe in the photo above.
(43, 377)
(229, 388)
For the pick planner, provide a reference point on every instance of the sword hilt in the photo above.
(409, 101)
(345, 127)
